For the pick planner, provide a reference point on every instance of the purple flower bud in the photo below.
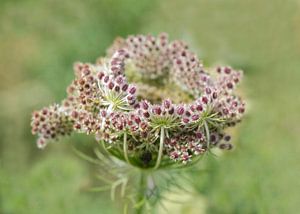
(215, 95)
(227, 70)
(229, 85)
(185, 120)
(167, 104)
(195, 117)
(145, 105)
(205, 100)
(125, 87)
(208, 91)
(106, 79)
(199, 107)
(111, 85)
(180, 110)
(171, 111)
(146, 114)
(157, 110)
(132, 90)
(199, 135)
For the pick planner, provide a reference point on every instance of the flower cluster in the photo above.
(102, 100)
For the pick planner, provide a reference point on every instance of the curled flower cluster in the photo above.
(147, 132)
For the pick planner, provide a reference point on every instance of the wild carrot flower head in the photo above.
(150, 101)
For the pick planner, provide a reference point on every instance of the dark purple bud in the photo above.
(229, 85)
(171, 111)
(199, 135)
(205, 100)
(157, 110)
(199, 107)
(124, 87)
(146, 114)
(117, 88)
(215, 95)
(111, 85)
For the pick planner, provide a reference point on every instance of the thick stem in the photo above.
(141, 194)
(125, 148)
(207, 134)
(161, 147)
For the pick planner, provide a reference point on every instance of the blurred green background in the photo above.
(40, 40)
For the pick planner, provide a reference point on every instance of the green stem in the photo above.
(141, 193)
(161, 146)
(125, 148)
(207, 134)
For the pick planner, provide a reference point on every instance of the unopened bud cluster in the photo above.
(103, 101)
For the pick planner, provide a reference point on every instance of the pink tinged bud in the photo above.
(174, 155)
(44, 111)
(205, 100)
(145, 105)
(229, 85)
(111, 85)
(227, 70)
(185, 157)
(215, 95)
(241, 110)
(195, 117)
(137, 120)
(157, 110)
(199, 107)
(225, 111)
(41, 143)
(103, 113)
(125, 87)
(236, 80)
(167, 104)
(180, 110)
(199, 135)
(185, 120)
(119, 80)
(132, 90)
(208, 91)
(100, 75)
(146, 114)
(74, 114)
(106, 79)
(130, 97)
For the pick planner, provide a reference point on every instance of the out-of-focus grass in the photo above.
(39, 41)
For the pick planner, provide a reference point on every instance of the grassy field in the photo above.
(39, 41)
